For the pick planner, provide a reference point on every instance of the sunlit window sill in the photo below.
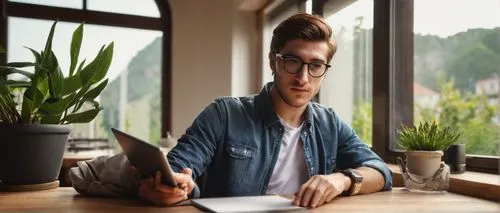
(475, 184)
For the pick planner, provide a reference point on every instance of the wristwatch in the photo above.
(356, 181)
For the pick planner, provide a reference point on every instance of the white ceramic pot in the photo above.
(423, 163)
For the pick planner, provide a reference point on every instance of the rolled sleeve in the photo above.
(353, 153)
(383, 169)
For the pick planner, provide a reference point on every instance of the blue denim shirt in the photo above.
(235, 142)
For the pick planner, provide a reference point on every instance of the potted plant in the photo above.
(36, 110)
(424, 145)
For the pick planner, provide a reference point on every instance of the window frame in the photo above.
(163, 24)
(393, 50)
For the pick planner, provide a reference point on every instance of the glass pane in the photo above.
(131, 7)
(272, 23)
(457, 67)
(131, 100)
(75, 4)
(347, 87)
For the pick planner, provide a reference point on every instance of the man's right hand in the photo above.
(152, 190)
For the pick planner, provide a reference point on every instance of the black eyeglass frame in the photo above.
(327, 66)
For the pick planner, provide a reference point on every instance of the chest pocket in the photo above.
(239, 160)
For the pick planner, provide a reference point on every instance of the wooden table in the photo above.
(65, 199)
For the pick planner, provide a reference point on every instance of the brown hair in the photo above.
(303, 26)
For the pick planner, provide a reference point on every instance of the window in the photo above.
(347, 87)
(76, 4)
(401, 87)
(132, 7)
(133, 99)
(457, 57)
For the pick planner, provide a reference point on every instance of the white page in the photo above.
(247, 204)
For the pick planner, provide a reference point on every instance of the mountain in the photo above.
(144, 78)
(466, 56)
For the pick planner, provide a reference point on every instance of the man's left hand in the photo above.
(321, 189)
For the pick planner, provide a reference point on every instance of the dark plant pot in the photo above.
(454, 157)
(31, 153)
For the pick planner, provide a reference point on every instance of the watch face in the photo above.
(356, 181)
(357, 176)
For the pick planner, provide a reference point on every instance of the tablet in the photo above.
(145, 157)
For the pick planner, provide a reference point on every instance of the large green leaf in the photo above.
(10, 70)
(87, 73)
(94, 103)
(38, 57)
(48, 44)
(82, 117)
(78, 100)
(49, 96)
(21, 64)
(93, 93)
(14, 83)
(76, 43)
(98, 68)
(59, 106)
(34, 96)
(32, 99)
(51, 119)
(56, 77)
(71, 84)
(41, 82)
(105, 62)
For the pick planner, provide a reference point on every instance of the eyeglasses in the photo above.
(293, 65)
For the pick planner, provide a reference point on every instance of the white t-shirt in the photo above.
(290, 171)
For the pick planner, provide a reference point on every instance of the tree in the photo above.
(362, 121)
(470, 113)
(476, 63)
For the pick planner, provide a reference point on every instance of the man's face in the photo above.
(298, 89)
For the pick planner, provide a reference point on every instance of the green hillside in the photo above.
(467, 56)
(144, 78)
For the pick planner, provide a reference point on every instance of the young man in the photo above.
(276, 142)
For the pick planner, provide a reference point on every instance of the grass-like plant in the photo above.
(427, 137)
(48, 97)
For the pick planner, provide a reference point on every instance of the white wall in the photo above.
(244, 52)
(213, 55)
(337, 88)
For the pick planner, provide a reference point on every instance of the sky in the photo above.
(436, 17)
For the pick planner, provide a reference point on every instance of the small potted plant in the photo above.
(35, 111)
(424, 145)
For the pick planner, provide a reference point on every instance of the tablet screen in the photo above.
(145, 157)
